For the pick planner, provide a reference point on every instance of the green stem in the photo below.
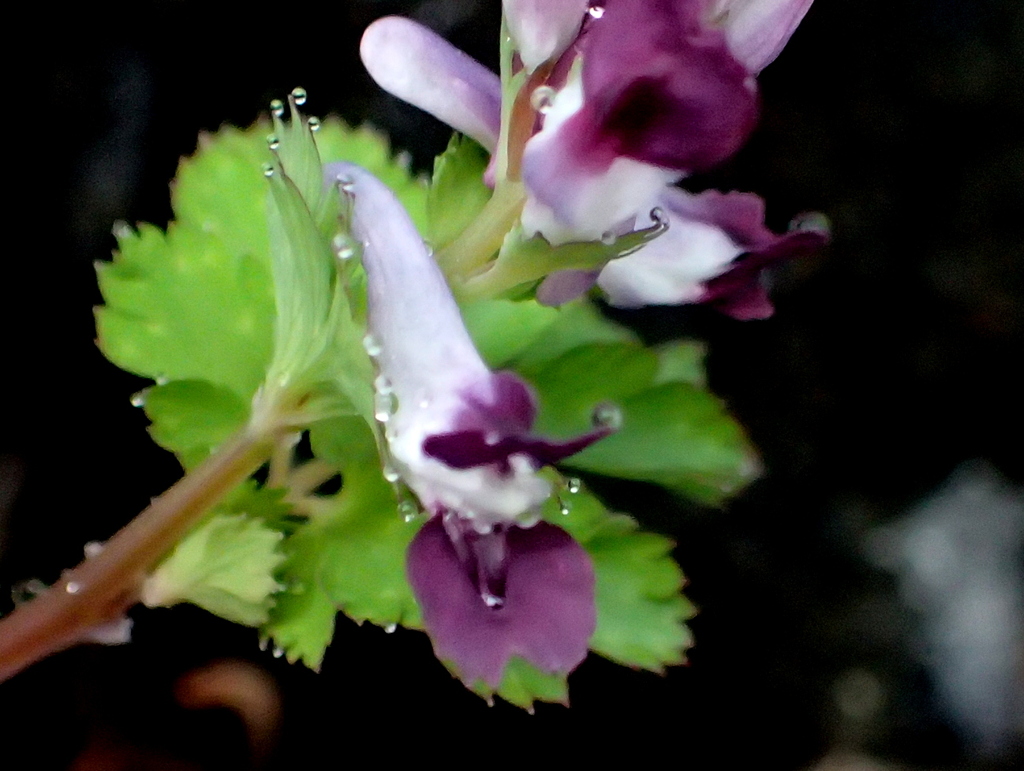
(479, 242)
(102, 588)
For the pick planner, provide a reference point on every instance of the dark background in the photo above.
(892, 361)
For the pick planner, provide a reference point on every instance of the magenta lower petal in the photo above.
(547, 614)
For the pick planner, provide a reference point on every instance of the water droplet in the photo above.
(139, 399)
(596, 11)
(659, 217)
(72, 587)
(815, 222)
(299, 95)
(408, 509)
(573, 485)
(347, 185)
(607, 415)
(277, 108)
(390, 628)
(372, 346)
(542, 98)
(492, 601)
(23, 591)
(608, 238)
(278, 651)
(314, 123)
(264, 643)
(273, 142)
(564, 507)
(390, 473)
(383, 406)
(343, 248)
(383, 385)
(268, 169)
(162, 380)
(92, 548)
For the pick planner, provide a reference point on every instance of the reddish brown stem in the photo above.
(103, 587)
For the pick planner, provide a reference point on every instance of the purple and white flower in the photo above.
(649, 92)
(492, 581)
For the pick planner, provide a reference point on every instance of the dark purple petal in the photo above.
(739, 292)
(510, 407)
(468, 449)
(662, 87)
(547, 616)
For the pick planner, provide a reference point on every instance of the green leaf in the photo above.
(192, 417)
(301, 622)
(641, 612)
(458, 193)
(221, 190)
(370, 149)
(673, 432)
(349, 555)
(180, 306)
(681, 361)
(524, 685)
(503, 329)
(678, 436)
(573, 384)
(226, 565)
(577, 323)
(367, 537)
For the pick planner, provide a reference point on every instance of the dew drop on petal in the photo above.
(299, 95)
(383, 406)
(382, 385)
(277, 108)
(72, 587)
(372, 346)
(313, 123)
(596, 11)
(564, 507)
(347, 185)
(139, 399)
(491, 600)
(659, 217)
(608, 238)
(264, 643)
(390, 628)
(273, 142)
(573, 485)
(278, 651)
(268, 170)
(390, 473)
(542, 98)
(607, 415)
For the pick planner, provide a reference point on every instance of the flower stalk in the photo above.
(103, 587)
